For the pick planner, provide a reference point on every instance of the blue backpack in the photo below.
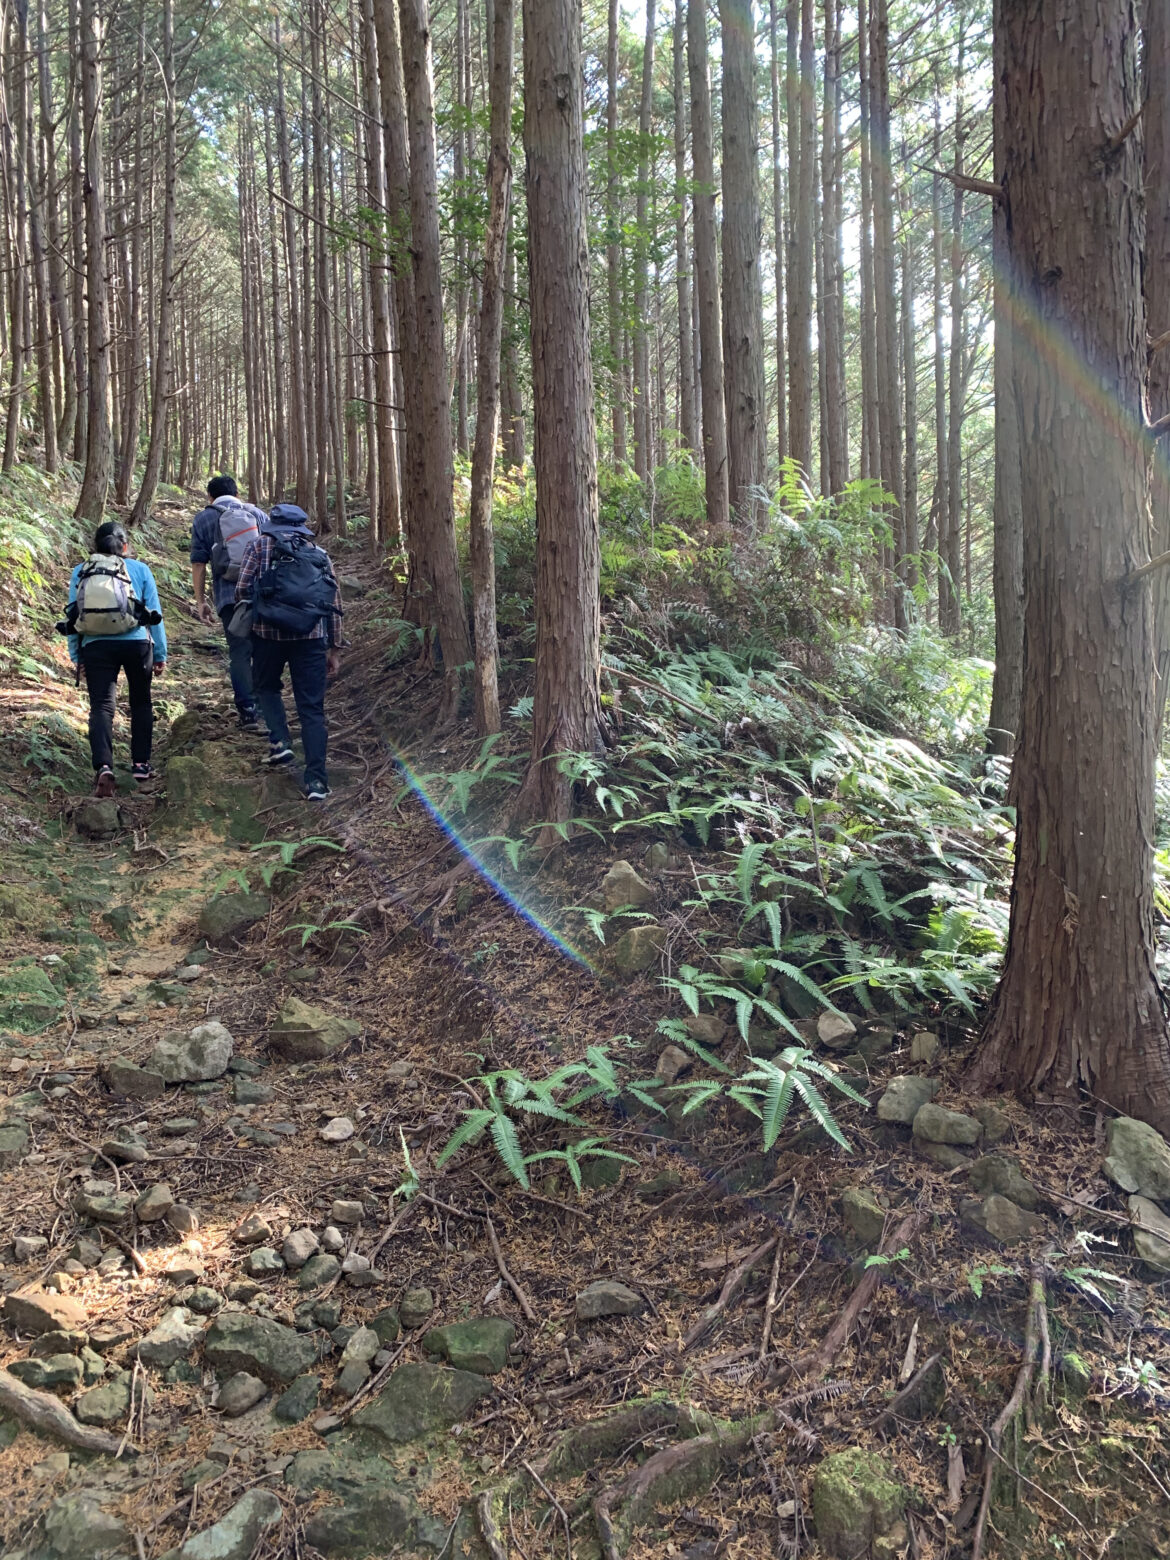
(298, 588)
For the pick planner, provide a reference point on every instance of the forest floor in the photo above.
(744, 1342)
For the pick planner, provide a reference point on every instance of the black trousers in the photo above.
(103, 660)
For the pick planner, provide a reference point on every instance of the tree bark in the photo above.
(95, 484)
(1079, 1005)
(688, 426)
(743, 310)
(491, 320)
(778, 242)
(950, 612)
(802, 162)
(643, 458)
(613, 248)
(438, 559)
(566, 715)
(161, 391)
(707, 273)
(833, 266)
(1008, 538)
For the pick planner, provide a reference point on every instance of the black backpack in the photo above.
(298, 588)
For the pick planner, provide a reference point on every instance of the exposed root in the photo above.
(1035, 1328)
(732, 1285)
(488, 1528)
(41, 1411)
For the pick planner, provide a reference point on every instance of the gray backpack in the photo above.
(239, 527)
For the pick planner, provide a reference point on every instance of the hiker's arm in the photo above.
(199, 582)
(74, 640)
(158, 631)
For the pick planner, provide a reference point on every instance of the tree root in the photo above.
(488, 1528)
(1035, 1330)
(41, 1411)
(732, 1285)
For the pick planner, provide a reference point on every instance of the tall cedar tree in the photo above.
(566, 715)
(1079, 1003)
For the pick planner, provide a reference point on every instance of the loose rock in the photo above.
(183, 1219)
(299, 1401)
(109, 1404)
(172, 1339)
(98, 818)
(1151, 1233)
(608, 1297)
(836, 1031)
(936, 1124)
(905, 1097)
(230, 915)
(638, 949)
(672, 1063)
(924, 1047)
(302, 1033)
(237, 1340)
(1000, 1220)
(1000, 1173)
(622, 886)
(318, 1271)
(263, 1262)
(419, 1399)
(856, 1499)
(415, 1307)
(239, 1393)
(235, 1535)
(299, 1247)
(78, 1529)
(480, 1346)
(1137, 1159)
(133, 1082)
(339, 1130)
(35, 1309)
(706, 1029)
(344, 1212)
(864, 1215)
(155, 1203)
(253, 1231)
(126, 1147)
(332, 1239)
(197, 1057)
(26, 1247)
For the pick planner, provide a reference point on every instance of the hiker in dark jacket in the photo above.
(296, 606)
(140, 652)
(220, 535)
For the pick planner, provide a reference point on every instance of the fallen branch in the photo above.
(564, 1515)
(42, 1411)
(908, 1392)
(522, 1299)
(487, 1526)
(817, 1361)
(1036, 1302)
(732, 1285)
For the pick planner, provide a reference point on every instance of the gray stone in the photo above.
(607, 1297)
(1137, 1159)
(638, 949)
(239, 1393)
(299, 1247)
(125, 1147)
(230, 915)
(172, 1339)
(110, 1335)
(366, 1514)
(856, 1499)
(14, 1141)
(359, 1272)
(186, 973)
(936, 1124)
(420, 1399)
(155, 1203)
(178, 1126)
(77, 1528)
(62, 1340)
(1151, 1233)
(318, 1271)
(103, 1208)
(59, 1370)
(131, 1081)
(659, 1186)
(414, 1308)
(837, 1031)
(905, 1097)
(347, 1212)
(387, 1325)
(236, 1535)
(706, 1029)
(863, 1214)
(98, 818)
(237, 1340)
(339, 1130)
(923, 1047)
(333, 1240)
(994, 1122)
(246, 1091)
(183, 1219)
(203, 1470)
(621, 886)
(299, 1401)
(35, 1309)
(263, 1262)
(363, 1344)
(1000, 1173)
(944, 1154)
(302, 1033)
(672, 1063)
(202, 1300)
(26, 1247)
(252, 1231)
(109, 1404)
(1003, 1222)
(480, 1346)
(197, 1057)
(351, 1376)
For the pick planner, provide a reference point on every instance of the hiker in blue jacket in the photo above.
(139, 651)
(220, 536)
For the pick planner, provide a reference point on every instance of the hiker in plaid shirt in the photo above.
(296, 622)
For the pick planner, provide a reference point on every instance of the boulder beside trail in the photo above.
(235, 1535)
(480, 1346)
(199, 1056)
(35, 1309)
(303, 1033)
(98, 818)
(859, 1506)
(905, 1097)
(1137, 1159)
(1151, 1233)
(638, 949)
(230, 915)
(420, 1399)
(622, 886)
(237, 1340)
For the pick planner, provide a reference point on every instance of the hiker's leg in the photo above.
(268, 658)
(306, 664)
(138, 659)
(239, 664)
(101, 663)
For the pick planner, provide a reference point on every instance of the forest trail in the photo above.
(305, 1329)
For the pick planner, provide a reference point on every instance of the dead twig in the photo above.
(522, 1299)
(42, 1411)
(732, 1285)
(564, 1515)
(1010, 1409)
(907, 1393)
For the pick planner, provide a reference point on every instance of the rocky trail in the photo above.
(249, 1306)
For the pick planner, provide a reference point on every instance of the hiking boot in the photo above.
(142, 773)
(279, 754)
(249, 721)
(104, 783)
(316, 791)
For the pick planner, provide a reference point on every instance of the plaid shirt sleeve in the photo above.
(333, 621)
(256, 560)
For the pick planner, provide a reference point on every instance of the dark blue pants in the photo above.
(239, 663)
(305, 659)
(102, 660)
